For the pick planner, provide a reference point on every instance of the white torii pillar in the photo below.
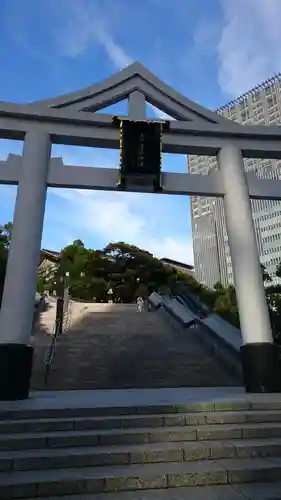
(259, 355)
(18, 299)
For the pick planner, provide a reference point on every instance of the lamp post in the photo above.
(46, 286)
(66, 292)
(110, 294)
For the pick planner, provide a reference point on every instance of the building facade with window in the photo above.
(261, 105)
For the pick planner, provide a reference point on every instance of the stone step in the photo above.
(86, 380)
(16, 413)
(143, 435)
(38, 459)
(137, 477)
(83, 411)
(135, 421)
(240, 491)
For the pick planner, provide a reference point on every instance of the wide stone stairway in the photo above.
(115, 346)
(213, 451)
(180, 443)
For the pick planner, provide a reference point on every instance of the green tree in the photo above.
(278, 270)
(142, 291)
(5, 240)
(40, 286)
(265, 275)
(6, 234)
(78, 243)
(131, 265)
(131, 272)
(218, 287)
(3, 264)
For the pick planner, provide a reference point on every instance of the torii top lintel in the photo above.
(120, 85)
(73, 119)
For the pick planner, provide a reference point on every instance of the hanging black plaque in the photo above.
(140, 153)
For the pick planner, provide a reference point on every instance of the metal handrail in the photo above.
(50, 352)
(193, 302)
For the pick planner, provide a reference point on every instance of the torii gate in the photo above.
(73, 119)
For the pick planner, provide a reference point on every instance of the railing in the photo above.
(66, 318)
(50, 352)
(217, 335)
(61, 326)
(192, 301)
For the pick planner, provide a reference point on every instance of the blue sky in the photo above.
(211, 51)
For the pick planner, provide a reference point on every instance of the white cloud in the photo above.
(106, 214)
(115, 216)
(249, 50)
(180, 249)
(115, 52)
(101, 215)
(85, 25)
(118, 217)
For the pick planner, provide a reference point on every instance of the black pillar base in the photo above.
(15, 371)
(261, 367)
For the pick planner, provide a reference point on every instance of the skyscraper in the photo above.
(261, 105)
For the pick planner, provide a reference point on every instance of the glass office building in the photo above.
(261, 105)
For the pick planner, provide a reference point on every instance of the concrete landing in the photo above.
(137, 397)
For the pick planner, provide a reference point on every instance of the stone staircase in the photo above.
(199, 451)
(110, 346)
